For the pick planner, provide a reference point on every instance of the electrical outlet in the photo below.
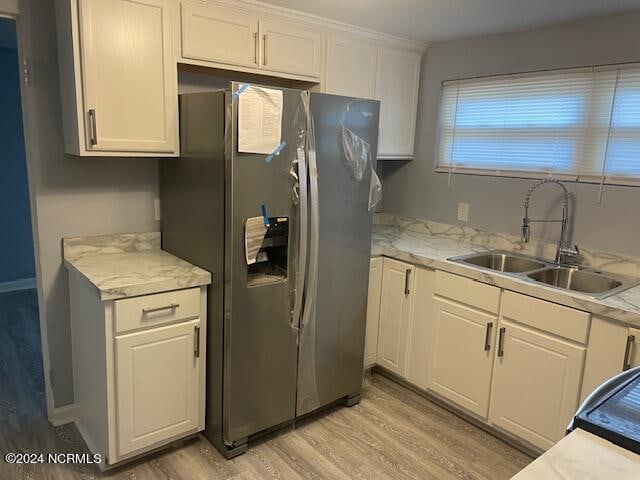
(463, 212)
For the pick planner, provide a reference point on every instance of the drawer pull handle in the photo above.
(407, 275)
(501, 343)
(264, 50)
(487, 337)
(627, 353)
(171, 306)
(93, 129)
(255, 47)
(196, 339)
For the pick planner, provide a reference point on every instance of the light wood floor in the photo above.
(392, 434)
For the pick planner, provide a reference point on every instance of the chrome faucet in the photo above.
(564, 250)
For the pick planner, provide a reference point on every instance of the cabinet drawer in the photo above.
(151, 310)
(467, 291)
(557, 319)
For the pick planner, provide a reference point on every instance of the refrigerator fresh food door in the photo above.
(260, 344)
(331, 352)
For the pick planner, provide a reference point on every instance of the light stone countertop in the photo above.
(583, 456)
(433, 251)
(127, 265)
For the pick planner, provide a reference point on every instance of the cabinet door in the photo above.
(396, 307)
(418, 357)
(217, 34)
(373, 312)
(129, 76)
(461, 354)
(290, 48)
(157, 385)
(351, 67)
(536, 384)
(398, 76)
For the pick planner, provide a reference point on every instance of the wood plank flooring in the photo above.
(392, 434)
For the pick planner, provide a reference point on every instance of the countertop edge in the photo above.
(144, 288)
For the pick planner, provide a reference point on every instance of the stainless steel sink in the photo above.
(502, 262)
(583, 281)
(573, 279)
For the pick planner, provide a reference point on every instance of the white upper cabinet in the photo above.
(350, 67)
(218, 34)
(234, 39)
(118, 67)
(118, 77)
(290, 48)
(397, 83)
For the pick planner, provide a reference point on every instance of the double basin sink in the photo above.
(568, 278)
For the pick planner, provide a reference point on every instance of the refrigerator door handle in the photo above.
(302, 237)
(314, 214)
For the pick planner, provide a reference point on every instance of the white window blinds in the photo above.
(578, 124)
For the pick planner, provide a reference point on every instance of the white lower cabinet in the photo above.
(613, 347)
(396, 307)
(461, 341)
(399, 308)
(513, 361)
(138, 367)
(373, 312)
(536, 384)
(157, 384)
(418, 354)
(461, 355)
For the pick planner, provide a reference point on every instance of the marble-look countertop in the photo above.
(583, 456)
(433, 251)
(127, 265)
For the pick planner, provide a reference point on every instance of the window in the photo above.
(577, 124)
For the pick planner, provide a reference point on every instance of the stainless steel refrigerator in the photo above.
(285, 333)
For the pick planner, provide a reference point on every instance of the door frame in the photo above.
(11, 9)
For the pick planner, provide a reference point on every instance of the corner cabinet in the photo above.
(360, 68)
(138, 369)
(396, 308)
(118, 77)
(397, 82)
(373, 312)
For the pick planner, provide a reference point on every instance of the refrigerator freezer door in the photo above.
(260, 344)
(331, 351)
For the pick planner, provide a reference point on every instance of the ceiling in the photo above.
(437, 20)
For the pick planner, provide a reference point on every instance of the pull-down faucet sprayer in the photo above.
(564, 250)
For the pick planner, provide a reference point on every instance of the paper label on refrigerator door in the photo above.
(259, 120)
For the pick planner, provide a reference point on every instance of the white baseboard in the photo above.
(62, 415)
(14, 285)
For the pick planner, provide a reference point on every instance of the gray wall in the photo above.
(73, 195)
(414, 189)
